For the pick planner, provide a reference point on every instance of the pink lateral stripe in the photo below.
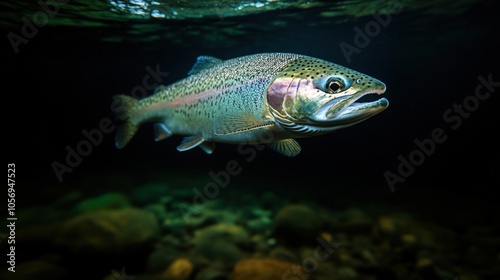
(188, 99)
(183, 100)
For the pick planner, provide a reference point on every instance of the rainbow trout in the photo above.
(268, 98)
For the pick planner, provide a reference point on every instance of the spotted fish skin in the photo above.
(281, 95)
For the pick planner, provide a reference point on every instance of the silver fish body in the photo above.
(267, 98)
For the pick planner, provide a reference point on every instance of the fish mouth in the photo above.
(348, 110)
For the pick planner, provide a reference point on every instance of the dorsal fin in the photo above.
(204, 62)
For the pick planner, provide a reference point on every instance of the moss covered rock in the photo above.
(297, 224)
(180, 269)
(222, 242)
(109, 231)
(263, 269)
(107, 201)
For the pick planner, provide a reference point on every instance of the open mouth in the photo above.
(362, 110)
(351, 109)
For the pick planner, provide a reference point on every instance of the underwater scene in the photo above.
(238, 140)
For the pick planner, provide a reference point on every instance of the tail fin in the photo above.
(126, 129)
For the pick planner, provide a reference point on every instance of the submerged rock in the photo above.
(284, 254)
(108, 201)
(297, 224)
(263, 269)
(161, 258)
(227, 232)
(221, 242)
(410, 233)
(355, 215)
(347, 273)
(109, 231)
(180, 269)
(213, 272)
(219, 250)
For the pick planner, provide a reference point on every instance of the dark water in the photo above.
(59, 80)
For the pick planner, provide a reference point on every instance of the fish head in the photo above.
(313, 96)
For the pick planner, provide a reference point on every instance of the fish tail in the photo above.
(125, 129)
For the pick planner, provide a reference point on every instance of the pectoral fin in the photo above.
(287, 147)
(240, 123)
(190, 142)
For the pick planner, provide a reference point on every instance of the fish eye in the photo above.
(335, 86)
(332, 84)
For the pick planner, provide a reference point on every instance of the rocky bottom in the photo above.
(156, 231)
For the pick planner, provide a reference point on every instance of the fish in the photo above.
(263, 98)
